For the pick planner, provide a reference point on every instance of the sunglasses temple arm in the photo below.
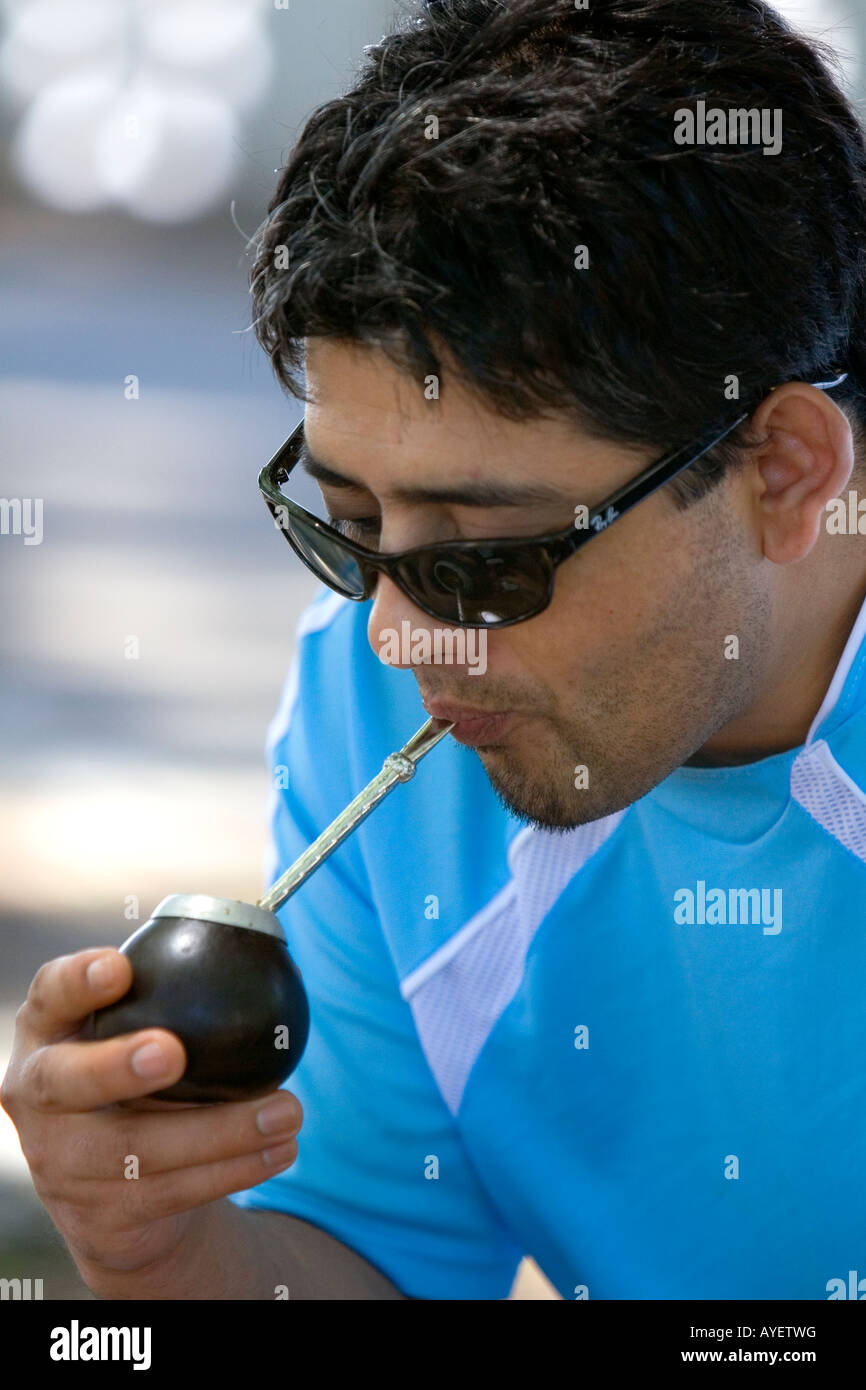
(660, 473)
(397, 767)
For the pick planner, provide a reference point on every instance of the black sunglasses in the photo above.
(474, 583)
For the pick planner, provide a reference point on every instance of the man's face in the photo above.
(625, 674)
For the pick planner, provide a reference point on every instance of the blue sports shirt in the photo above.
(635, 1051)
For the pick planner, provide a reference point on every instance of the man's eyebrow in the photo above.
(476, 494)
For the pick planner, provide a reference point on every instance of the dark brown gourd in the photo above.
(218, 973)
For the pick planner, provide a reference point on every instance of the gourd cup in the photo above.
(218, 973)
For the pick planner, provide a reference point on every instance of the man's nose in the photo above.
(390, 610)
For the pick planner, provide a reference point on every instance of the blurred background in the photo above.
(149, 607)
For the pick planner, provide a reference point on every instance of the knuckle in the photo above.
(36, 1082)
(9, 1092)
(48, 1162)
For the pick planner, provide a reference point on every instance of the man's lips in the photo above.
(471, 726)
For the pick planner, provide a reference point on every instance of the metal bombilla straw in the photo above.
(397, 767)
(218, 973)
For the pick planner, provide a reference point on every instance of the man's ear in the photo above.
(805, 459)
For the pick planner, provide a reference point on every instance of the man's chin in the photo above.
(534, 802)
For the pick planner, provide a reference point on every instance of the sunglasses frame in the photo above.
(552, 548)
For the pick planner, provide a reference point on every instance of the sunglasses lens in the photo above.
(326, 558)
(484, 588)
(487, 586)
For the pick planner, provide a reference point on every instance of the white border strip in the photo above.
(498, 903)
(444, 953)
(840, 772)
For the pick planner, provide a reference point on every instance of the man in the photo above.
(590, 989)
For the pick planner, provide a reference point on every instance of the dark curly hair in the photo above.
(556, 130)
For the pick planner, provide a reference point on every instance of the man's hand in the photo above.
(84, 1146)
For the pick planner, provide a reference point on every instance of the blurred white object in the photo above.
(166, 154)
(48, 39)
(54, 147)
(132, 102)
(220, 42)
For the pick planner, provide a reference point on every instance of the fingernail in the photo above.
(276, 1118)
(100, 972)
(281, 1153)
(149, 1060)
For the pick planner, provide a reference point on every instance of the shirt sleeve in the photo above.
(381, 1165)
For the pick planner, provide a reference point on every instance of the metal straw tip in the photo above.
(426, 738)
